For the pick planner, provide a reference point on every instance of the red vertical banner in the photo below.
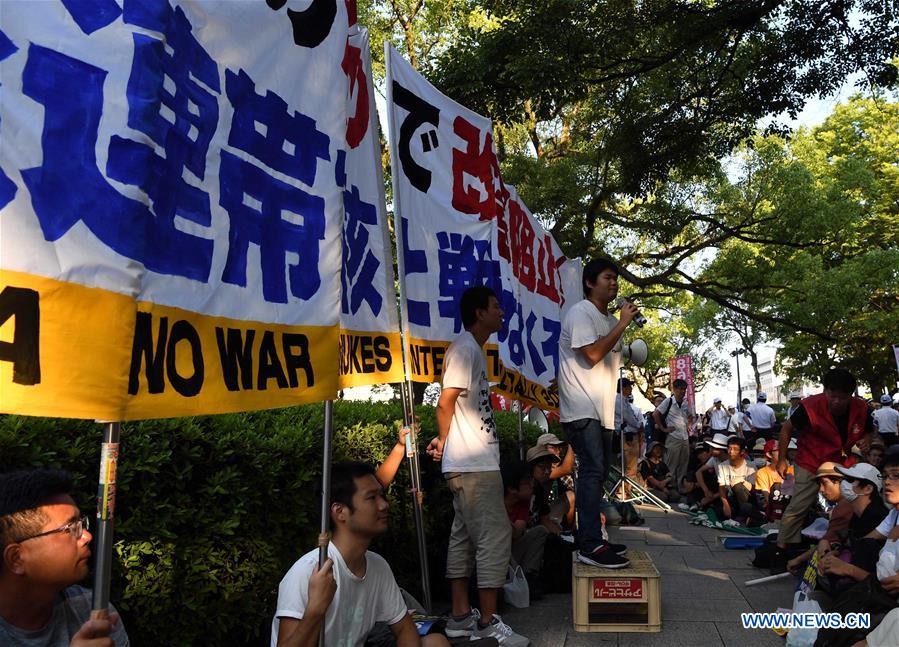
(682, 368)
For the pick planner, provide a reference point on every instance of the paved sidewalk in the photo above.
(702, 593)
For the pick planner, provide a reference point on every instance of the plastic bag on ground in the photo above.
(515, 590)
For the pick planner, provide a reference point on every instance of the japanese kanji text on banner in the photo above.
(172, 192)
(370, 347)
(459, 225)
(682, 369)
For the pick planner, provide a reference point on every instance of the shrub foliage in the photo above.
(211, 511)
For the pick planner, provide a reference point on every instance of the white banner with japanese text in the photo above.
(171, 202)
(370, 347)
(459, 225)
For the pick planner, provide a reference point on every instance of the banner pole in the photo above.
(324, 537)
(417, 493)
(106, 491)
(520, 431)
(406, 388)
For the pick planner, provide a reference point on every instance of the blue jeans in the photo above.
(591, 444)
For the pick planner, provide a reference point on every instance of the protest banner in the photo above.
(370, 347)
(172, 191)
(459, 225)
(682, 368)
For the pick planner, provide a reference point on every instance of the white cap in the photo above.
(716, 400)
(864, 471)
(795, 395)
(718, 441)
(762, 395)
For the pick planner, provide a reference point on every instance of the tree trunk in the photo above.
(754, 358)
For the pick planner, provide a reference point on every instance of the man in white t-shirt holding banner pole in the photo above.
(589, 359)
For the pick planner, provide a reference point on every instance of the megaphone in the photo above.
(635, 353)
(537, 417)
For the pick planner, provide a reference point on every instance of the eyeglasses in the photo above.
(74, 528)
(891, 476)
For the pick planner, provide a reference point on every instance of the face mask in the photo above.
(847, 491)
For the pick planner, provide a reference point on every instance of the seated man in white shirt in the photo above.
(355, 588)
(736, 480)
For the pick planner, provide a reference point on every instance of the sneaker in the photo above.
(465, 627)
(604, 557)
(501, 632)
(618, 549)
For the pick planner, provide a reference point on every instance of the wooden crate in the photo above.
(627, 599)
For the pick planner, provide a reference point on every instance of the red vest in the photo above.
(821, 441)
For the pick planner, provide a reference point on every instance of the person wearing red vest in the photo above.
(829, 424)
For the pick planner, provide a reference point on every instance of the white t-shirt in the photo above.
(676, 415)
(719, 418)
(729, 476)
(587, 391)
(735, 423)
(887, 420)
(358, 603)
(472, 444)
(761, 415)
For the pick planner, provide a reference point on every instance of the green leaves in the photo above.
(212, 511)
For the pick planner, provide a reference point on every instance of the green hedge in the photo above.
(211, 511)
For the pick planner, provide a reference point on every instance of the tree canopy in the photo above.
(631, 130)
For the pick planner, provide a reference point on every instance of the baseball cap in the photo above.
(770, 446)
(863, 472)
(716, 400)
(885, 399)
(536, 453)
(549, 439)
(827, 469)
(718, 441)
(759, 445)
(762, 395)
(795, 395)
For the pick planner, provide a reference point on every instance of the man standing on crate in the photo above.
(589, 359)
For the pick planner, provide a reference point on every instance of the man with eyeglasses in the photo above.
(44, 541)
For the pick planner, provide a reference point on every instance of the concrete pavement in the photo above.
(702, 593)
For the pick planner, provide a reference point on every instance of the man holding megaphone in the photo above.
(589, 358)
